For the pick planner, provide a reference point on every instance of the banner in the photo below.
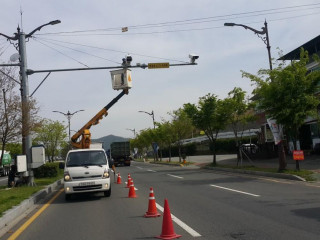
(275, 129)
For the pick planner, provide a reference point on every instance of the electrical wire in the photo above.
(111, 50)
(62, 53)
(167, 31)
(200, 20)
(76, 50)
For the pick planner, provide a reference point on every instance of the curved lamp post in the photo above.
(152, 115)
(259, 33)
(68, 115)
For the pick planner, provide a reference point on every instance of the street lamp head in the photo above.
(54, 22)
(229, 24)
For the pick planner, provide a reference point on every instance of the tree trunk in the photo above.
(282, 157)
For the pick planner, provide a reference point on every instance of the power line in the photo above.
(62, 53)
(201, 20)
(76, 50)
(111, 50)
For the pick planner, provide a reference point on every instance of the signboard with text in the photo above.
(158, 65)
(298, 155)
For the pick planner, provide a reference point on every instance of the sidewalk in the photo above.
(311, 162)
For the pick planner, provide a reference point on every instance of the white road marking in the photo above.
(233, 190)
(174, 176)
(188, 229)
(149, 170)
(5, 179)
(139, 167)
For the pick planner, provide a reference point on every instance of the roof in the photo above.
(313, 46)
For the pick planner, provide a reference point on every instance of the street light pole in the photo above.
(132, 130)
(21, 37)
(152, 115)
(259, 33)
(69, 115)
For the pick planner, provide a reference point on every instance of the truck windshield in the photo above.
(86, 158)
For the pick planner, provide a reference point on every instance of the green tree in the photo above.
(237, 110)
(287, 94)
(52, 134)
(181, 128)
(209, 115)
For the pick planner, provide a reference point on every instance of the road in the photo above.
(205, 205)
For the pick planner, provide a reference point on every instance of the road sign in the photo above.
(158, 65)
(298, 155)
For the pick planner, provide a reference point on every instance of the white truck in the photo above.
(86, 170)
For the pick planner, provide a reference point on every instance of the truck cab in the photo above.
(86, 170)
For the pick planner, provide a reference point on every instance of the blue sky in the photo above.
(186, 27)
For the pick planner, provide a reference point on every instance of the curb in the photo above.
(15, 214)
(249, 172)
(259, 173)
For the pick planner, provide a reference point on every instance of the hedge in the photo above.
(47, 170)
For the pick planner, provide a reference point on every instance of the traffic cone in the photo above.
(132, 191)
(152, 209)
(129, 181)
(167, 225)
(119, 179)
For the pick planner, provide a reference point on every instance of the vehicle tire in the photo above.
(67, 197)
(107, 193)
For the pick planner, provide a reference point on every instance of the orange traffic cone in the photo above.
(152, 209)
(119, 179)
(132, 191)
(167, 225)
(129, 181)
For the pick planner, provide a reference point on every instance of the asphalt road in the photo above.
(208, 205)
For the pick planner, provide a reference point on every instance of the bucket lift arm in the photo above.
(84, 132)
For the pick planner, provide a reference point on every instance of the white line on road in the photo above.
(149, 170)
(188, 229)
(174, 176)
(233, 190)
(5, 179)
(139, 167)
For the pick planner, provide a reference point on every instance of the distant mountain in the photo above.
(107, 140)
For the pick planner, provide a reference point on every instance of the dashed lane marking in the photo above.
(188, 229)
(174, 176)
(233, 190)
(149, 170)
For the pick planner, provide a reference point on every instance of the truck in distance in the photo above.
(120, 153)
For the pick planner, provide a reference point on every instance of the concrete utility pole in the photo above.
(26, 138)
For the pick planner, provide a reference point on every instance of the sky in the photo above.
(90, 35)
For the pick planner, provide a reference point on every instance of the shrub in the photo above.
(47, 170)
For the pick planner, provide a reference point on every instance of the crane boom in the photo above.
(84, 132)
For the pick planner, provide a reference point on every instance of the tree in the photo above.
(181, 128)
(166, 135)
(52, 134)
(288, 94)
(10, 109)
(237, 110)
(209, 115)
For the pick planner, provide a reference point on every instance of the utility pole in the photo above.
(26, 137)
(21, 37)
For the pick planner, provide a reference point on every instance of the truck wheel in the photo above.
(67, 197)
(107, 193)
